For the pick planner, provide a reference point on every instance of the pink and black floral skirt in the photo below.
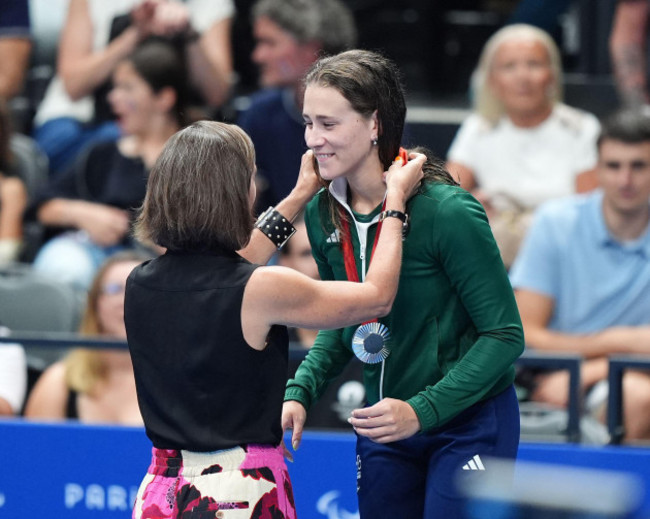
(238, 483)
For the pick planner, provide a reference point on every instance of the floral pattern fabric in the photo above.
(239, 483)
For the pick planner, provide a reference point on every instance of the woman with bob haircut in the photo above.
(438, 369)
(522, 145)
(207, 328)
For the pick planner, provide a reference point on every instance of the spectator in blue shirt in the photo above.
(582, 277)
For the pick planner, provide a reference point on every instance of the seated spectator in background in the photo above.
(13, 196)
(582, 278)
(94, 199)
(290, 36)
(98, 34)
(628, 42)
(296, 254)
(522, 145)
(94, 386)
(15, 46)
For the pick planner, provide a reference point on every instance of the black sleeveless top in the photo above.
(200, 386)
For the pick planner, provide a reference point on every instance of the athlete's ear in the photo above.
(374, 126)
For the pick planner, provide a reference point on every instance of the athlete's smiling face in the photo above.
(340, 137)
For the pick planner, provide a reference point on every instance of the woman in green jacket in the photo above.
(439, 368)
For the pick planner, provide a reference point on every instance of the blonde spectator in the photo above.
(521, 145)
(91, 385)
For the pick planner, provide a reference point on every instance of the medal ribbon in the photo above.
(369, 340)
(346, 243)
(348, 251)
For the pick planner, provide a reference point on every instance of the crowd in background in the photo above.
(129, 74)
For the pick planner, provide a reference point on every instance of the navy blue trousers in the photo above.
(418, 477)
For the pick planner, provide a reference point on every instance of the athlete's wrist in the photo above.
(395, 201)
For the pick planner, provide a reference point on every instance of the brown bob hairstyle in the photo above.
(198, 192)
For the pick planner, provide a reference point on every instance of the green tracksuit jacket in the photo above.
(455, 329)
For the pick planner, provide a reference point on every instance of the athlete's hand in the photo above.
(404, 179)
(293, 417)
(387, 421)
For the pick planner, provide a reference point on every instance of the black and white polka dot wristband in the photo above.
(275, 227)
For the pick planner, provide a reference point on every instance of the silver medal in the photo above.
(369, 342)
